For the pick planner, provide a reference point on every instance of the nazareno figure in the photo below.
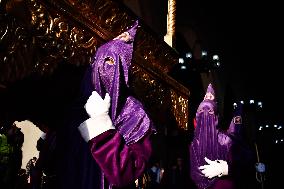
(114, 124)
(218, 157)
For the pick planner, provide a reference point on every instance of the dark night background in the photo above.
(245, 34)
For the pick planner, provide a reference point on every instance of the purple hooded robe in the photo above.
(110, 75)
(122, 154)
(207, 142)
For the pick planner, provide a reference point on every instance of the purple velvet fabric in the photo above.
(110, 75)
(208, 141)
(120, 163)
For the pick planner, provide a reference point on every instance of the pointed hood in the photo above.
(209, 101)
(210, 89)
(132, 30)
(205, 141)
(210, 93)
(110, 75)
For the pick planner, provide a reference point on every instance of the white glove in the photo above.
(96, 106)
(214, 168)
(99, 121)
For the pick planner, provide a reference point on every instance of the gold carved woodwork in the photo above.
(69, 31)
(166, 104)
(39, 47)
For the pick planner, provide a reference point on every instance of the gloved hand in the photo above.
(99, 121)
(96, 106)
(214, 168)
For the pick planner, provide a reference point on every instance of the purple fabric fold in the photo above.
(121, 164)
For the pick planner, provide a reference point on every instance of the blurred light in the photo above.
(260, 128)
(276, 141)
(215, 57)
(181, 60)
(280, 127)
(188, 55)
(275, 125)
(267, 126)
(203, 53)
(242, 102)
(183, 67)
(251, 101)
(218, 64)
(235, 105)
(259, 104)
(281, 140)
